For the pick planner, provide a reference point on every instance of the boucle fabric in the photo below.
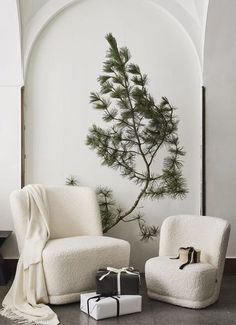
(73, 211)
(26, 299)
(72, 262)
(195, 282)
(197, 285)
(76, 248)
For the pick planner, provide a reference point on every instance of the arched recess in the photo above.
(54, 7)
(185, 90)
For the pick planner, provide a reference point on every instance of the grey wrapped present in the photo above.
(100, 307)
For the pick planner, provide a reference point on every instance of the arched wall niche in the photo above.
(62, 68)
(52, 8)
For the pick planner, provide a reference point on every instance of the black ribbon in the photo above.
(191, 251)
(99, 297)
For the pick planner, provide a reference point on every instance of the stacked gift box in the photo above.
(117, 294)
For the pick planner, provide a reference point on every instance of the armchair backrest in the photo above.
(73, 211)
(209, 234)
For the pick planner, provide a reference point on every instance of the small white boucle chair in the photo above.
(76, 248)
(197, 285)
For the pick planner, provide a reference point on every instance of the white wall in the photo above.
(220, 82)
(64, 65)
(28, 8)
(10, 84)
(10, 54)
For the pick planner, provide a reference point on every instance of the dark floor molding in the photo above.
(10, 266)
(230, 266)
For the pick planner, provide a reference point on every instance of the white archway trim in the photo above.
(39, 21)
(191, 8)
(204, 32)
(189, 25)
(53, 7)
(192, 32)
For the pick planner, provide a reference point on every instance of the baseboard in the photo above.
(230, 266)
(11, 264)
(7, 270)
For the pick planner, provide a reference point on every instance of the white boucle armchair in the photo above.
(76, 248)
(197, 285)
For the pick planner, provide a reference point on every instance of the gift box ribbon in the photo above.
(129, 270)
(99, 297)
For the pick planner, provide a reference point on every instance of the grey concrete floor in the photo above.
(222, 312)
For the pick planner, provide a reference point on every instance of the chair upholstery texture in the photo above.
(197, 285)
(76, 248)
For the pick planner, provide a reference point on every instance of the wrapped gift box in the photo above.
(183, 255)
(111, 281)
(100, 307)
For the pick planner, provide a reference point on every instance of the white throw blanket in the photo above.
(26, 299)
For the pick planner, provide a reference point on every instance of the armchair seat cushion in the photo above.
(72, 262)
(165, 281)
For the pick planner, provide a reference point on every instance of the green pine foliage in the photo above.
(107, 206)
(72, 180)
(138, 129)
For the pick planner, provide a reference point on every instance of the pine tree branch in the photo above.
(140, 128)
(118, 119)
(132, 219)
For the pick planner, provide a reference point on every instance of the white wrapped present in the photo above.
(105, 307)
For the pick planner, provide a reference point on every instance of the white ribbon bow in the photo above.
(129, 270)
